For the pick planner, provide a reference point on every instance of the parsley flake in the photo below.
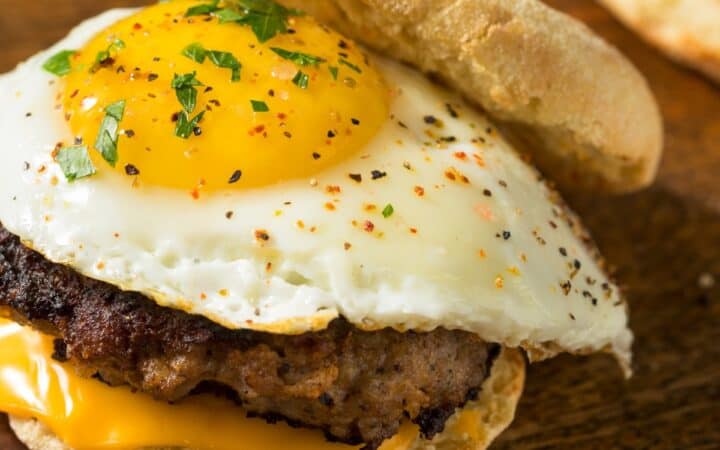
(259, 106)
(301, 79)
(333, 72)
(203, 9)
(226, 60)
(185, 126)
(350, 65)
(196, 52)
(301, 59)
(75, 162)
(59, 63)
(185, 91)
(266, 18)
(388, 211)
(107, 139)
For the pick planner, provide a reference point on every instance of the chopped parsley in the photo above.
(350, 65)
(259, 106)
(388, 211)
(301, 79)
(266, 18)
(185, 91)
(196, 52)
(185, 126)
(75, 162)
(203, 9)
(333, 72)
(224, 60)
(107, 139)
(301, 59)
(105, 56)
(59, 63)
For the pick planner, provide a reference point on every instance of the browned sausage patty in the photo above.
(355, 385)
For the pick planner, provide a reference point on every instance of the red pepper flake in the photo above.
(333, 189)
(419, 191)
(195, 193)
(75, 93)
(368, 226)
(257, 130)
(137, 26)
(347, 246)
(268, 267)
(203, 296)
(262, 235)
(461, 156)
(454, 175)
(329, 206)
(482, 254)
(413, 230)
(369, 207)
(300, 224)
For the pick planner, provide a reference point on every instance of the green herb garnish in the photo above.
(259, 106)
(350, 65)
(75, 162)
(196, 52)
(301, 59)
(301, 79)
(265, 17)
(388, 211)
(333, 72)
(203, 9)
(59, 63)
(107, 139)
(185, 91)
(226, 60)
(185, 126)
(106, 55)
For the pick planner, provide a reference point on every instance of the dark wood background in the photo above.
(662, 242)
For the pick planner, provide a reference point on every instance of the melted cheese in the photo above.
(87, 414)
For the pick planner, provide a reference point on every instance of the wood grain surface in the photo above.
(664, 244)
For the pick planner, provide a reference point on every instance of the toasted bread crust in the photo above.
(586, 112)
(487, 416)
(686, 30)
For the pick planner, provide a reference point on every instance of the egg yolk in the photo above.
(299, 102)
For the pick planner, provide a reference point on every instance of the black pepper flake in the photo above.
(78, 140)
(235, 177)
(453, 113)
(563, 251)
(355, 121)
(552, 224)
(566, 286)
(448, 139)
(316, 156)
(131, 170)
(342, 44)
(594, 301)
(208, 89)
(28, 114)
(330, 134)
(271, 93)
(197, 131)
(26, 166)
(572, 316)
(130, 133)
(344, 55)
(355, 177)
(377, 174)
(153, 77)
(502, 183)
(156, 59)
(287, 134)
(402, 124)
(576, 264)
(175, 117)
(506, 235)
(487, 193)
(229, 215)
(430, 120)
(120, 69)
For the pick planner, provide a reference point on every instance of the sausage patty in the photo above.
(355, 385)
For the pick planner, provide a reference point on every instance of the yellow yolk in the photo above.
(87, 414)
(234, 146)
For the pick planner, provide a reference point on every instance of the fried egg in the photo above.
(277, 182)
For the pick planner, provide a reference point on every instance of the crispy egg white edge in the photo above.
(407, 282)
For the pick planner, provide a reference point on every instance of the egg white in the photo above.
(484, 258)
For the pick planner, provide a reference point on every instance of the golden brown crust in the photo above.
(686, 29)
(474, 427)
(587, 113)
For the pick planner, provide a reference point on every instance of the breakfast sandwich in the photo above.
(228, 224)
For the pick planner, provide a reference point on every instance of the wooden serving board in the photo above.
(664, 243)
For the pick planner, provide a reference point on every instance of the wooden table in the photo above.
(664, 243)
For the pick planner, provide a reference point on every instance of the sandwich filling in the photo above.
(356, 385)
